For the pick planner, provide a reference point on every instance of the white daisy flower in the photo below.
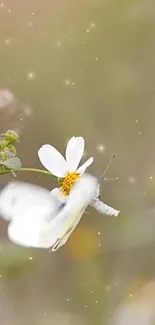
(67, 169)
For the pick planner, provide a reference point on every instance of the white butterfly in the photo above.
(37, 219)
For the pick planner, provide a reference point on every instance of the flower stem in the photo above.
(41, 171)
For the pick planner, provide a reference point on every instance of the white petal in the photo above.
(74, 152)
(52, 160)
(82, 169)
(55, 192)
(58, 195)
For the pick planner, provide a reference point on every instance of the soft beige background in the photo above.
(82, 68)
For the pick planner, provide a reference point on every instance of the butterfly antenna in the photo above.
(107, 167)
(110, 179)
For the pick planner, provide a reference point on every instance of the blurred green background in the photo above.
(81, 68)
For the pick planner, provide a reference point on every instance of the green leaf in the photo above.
(13, 163)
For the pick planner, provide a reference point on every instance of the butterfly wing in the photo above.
(63, 239)
(30, 209)
(18, 197)
(37, 219)
(48, 231)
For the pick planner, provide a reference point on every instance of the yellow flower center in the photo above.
(69, 181)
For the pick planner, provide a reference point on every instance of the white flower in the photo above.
(53, 161)
(67, 168)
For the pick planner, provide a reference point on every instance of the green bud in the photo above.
(4, 156)
(3, 145)
(12, 148)
(11, 136)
